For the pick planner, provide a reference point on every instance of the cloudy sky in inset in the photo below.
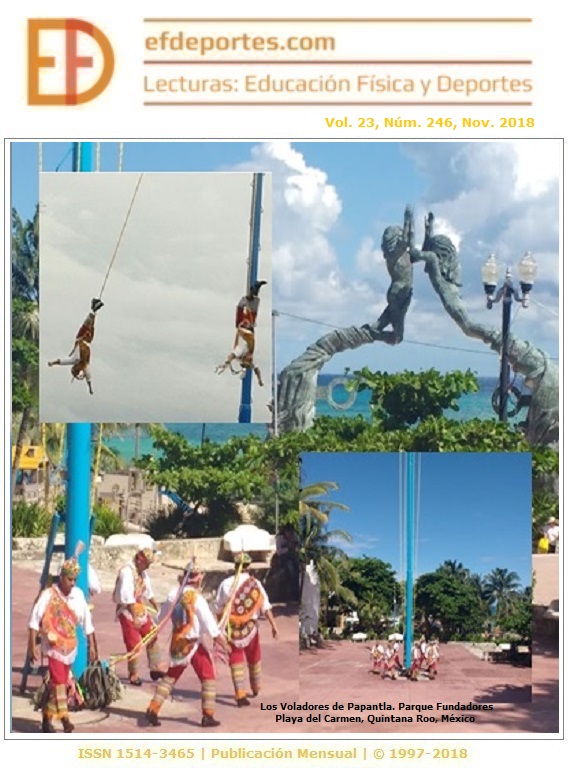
(170, 296)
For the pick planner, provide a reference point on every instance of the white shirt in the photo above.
(204, 623)
(124, 589)
(226, 588)
(77, 603)
(552, 533)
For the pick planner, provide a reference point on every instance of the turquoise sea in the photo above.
(471, 406)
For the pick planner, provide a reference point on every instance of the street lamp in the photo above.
(506, 293)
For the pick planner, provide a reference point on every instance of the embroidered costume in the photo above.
(192, 620)
(80, 356)
(244, 597)
(57, 613)
(132, 589)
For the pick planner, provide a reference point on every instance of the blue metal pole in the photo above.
(78, 517)
(245, 409)
(410, 505)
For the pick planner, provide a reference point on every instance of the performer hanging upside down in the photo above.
(80, 356)
(245, 322)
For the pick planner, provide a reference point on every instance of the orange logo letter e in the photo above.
(69, 95)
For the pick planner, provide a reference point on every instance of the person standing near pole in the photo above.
(57, 613)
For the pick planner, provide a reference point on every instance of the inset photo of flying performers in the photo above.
(416, 583)
(155, 297)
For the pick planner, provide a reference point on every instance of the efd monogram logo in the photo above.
(54, 61)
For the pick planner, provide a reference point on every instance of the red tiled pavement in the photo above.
(340, 673)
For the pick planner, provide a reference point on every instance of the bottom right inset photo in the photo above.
(418, 587)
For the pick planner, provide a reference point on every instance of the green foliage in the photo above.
(215, 476)
(500, 590)
(107, 521)
(25, 355)
(29, 520)
(403, 399)
(447, 598)
(25, 257)
(373, 582)
(519, 619)
(545, 505)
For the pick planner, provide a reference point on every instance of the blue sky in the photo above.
(473, 507)
(332, 202)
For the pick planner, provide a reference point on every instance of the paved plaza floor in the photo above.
(524, 700)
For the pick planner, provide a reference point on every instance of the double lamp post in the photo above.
(506, 294)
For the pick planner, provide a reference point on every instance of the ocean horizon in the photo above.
(475, 405)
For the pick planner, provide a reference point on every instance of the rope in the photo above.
(120, 235)
(417, 521)
(138, 648)
(64, 158)
(552, 312)
(406, 341)
(97, 462)
(222, 624)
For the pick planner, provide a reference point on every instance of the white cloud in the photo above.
(499, 197)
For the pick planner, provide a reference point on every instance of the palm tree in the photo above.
(25, 257)
(312, 505)
(25, 380)
(317, 546)
(501, 589)
(25, 293)
(455, 569)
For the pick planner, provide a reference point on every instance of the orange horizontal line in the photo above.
(338, 104)
(268, 62)
(351, 20)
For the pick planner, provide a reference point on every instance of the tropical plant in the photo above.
(107, 522)
(25, 297)
(455, 569)
(501, 590)
(29, 520)
(449, 602)
(311, 503)
(403, 399)
(374, 584)
(25, 257)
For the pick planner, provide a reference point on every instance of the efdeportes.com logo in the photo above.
(70, 62)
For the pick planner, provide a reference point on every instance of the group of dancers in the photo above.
(386, 662)
(231, 624)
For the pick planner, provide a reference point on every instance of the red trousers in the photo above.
(251, 652)
(131, 634)
(58, 671)
(201, 663)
